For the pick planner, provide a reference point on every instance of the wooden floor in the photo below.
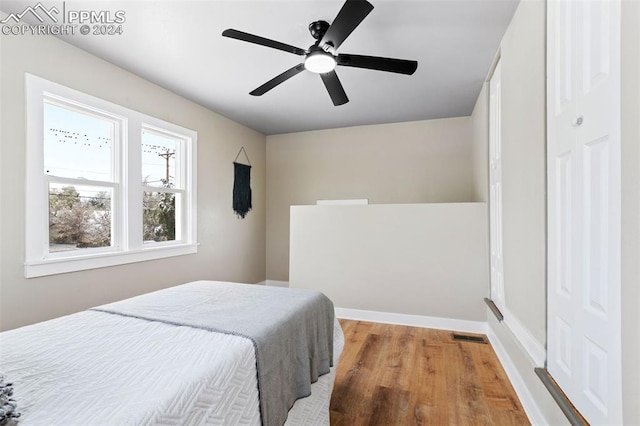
(397, 375)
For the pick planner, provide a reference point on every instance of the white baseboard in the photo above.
(274, 283)
(529, 404)
(413, 320)
(530, 344)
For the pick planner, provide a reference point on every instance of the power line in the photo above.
(167, 155)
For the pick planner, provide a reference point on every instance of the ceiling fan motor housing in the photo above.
(318, 29)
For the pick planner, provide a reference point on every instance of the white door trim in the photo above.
(495, 189)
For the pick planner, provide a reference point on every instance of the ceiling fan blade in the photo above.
(277, 80)
(334, 87)
(349, 17)
(240, 35)
(400, 66)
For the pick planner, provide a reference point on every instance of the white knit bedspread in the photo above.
(95, 368)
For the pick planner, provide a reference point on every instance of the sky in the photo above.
(81, 146)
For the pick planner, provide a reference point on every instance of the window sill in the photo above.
(40, 268)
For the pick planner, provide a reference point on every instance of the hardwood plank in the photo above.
(499, 393)
(472, 393)
(398, 375)
(457, 399)
(359, 381)
(389, 406)
(397, 359)
(430, 404)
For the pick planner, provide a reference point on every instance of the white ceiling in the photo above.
(178, 45)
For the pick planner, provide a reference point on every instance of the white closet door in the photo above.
(584, 178)
(495, 188)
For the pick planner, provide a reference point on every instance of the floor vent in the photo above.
(468, 338)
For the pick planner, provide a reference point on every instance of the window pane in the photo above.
(79, 217)
(158, 159)
(159, 216)
(77, 145)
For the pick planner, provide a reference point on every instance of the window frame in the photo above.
(181, 179)
(116, 165)
(127, 245)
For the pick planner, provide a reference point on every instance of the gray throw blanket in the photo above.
(291, 330)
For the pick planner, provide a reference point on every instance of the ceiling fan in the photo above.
(322, 58)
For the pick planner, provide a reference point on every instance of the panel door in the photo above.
(584, 178)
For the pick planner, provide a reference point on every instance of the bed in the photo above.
(155, 359)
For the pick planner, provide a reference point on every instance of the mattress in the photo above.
(96, 368)
(291, 329)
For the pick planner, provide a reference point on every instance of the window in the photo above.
(163, 185)
(105, 185)
(80, 175)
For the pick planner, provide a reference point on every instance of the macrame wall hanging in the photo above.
(242, 186)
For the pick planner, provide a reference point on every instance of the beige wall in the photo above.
(630, 90)
(480, 125)
(394, 258)
(523, 62)
(415, 162)
(230, 249)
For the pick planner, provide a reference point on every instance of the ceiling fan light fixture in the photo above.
(320, 62)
